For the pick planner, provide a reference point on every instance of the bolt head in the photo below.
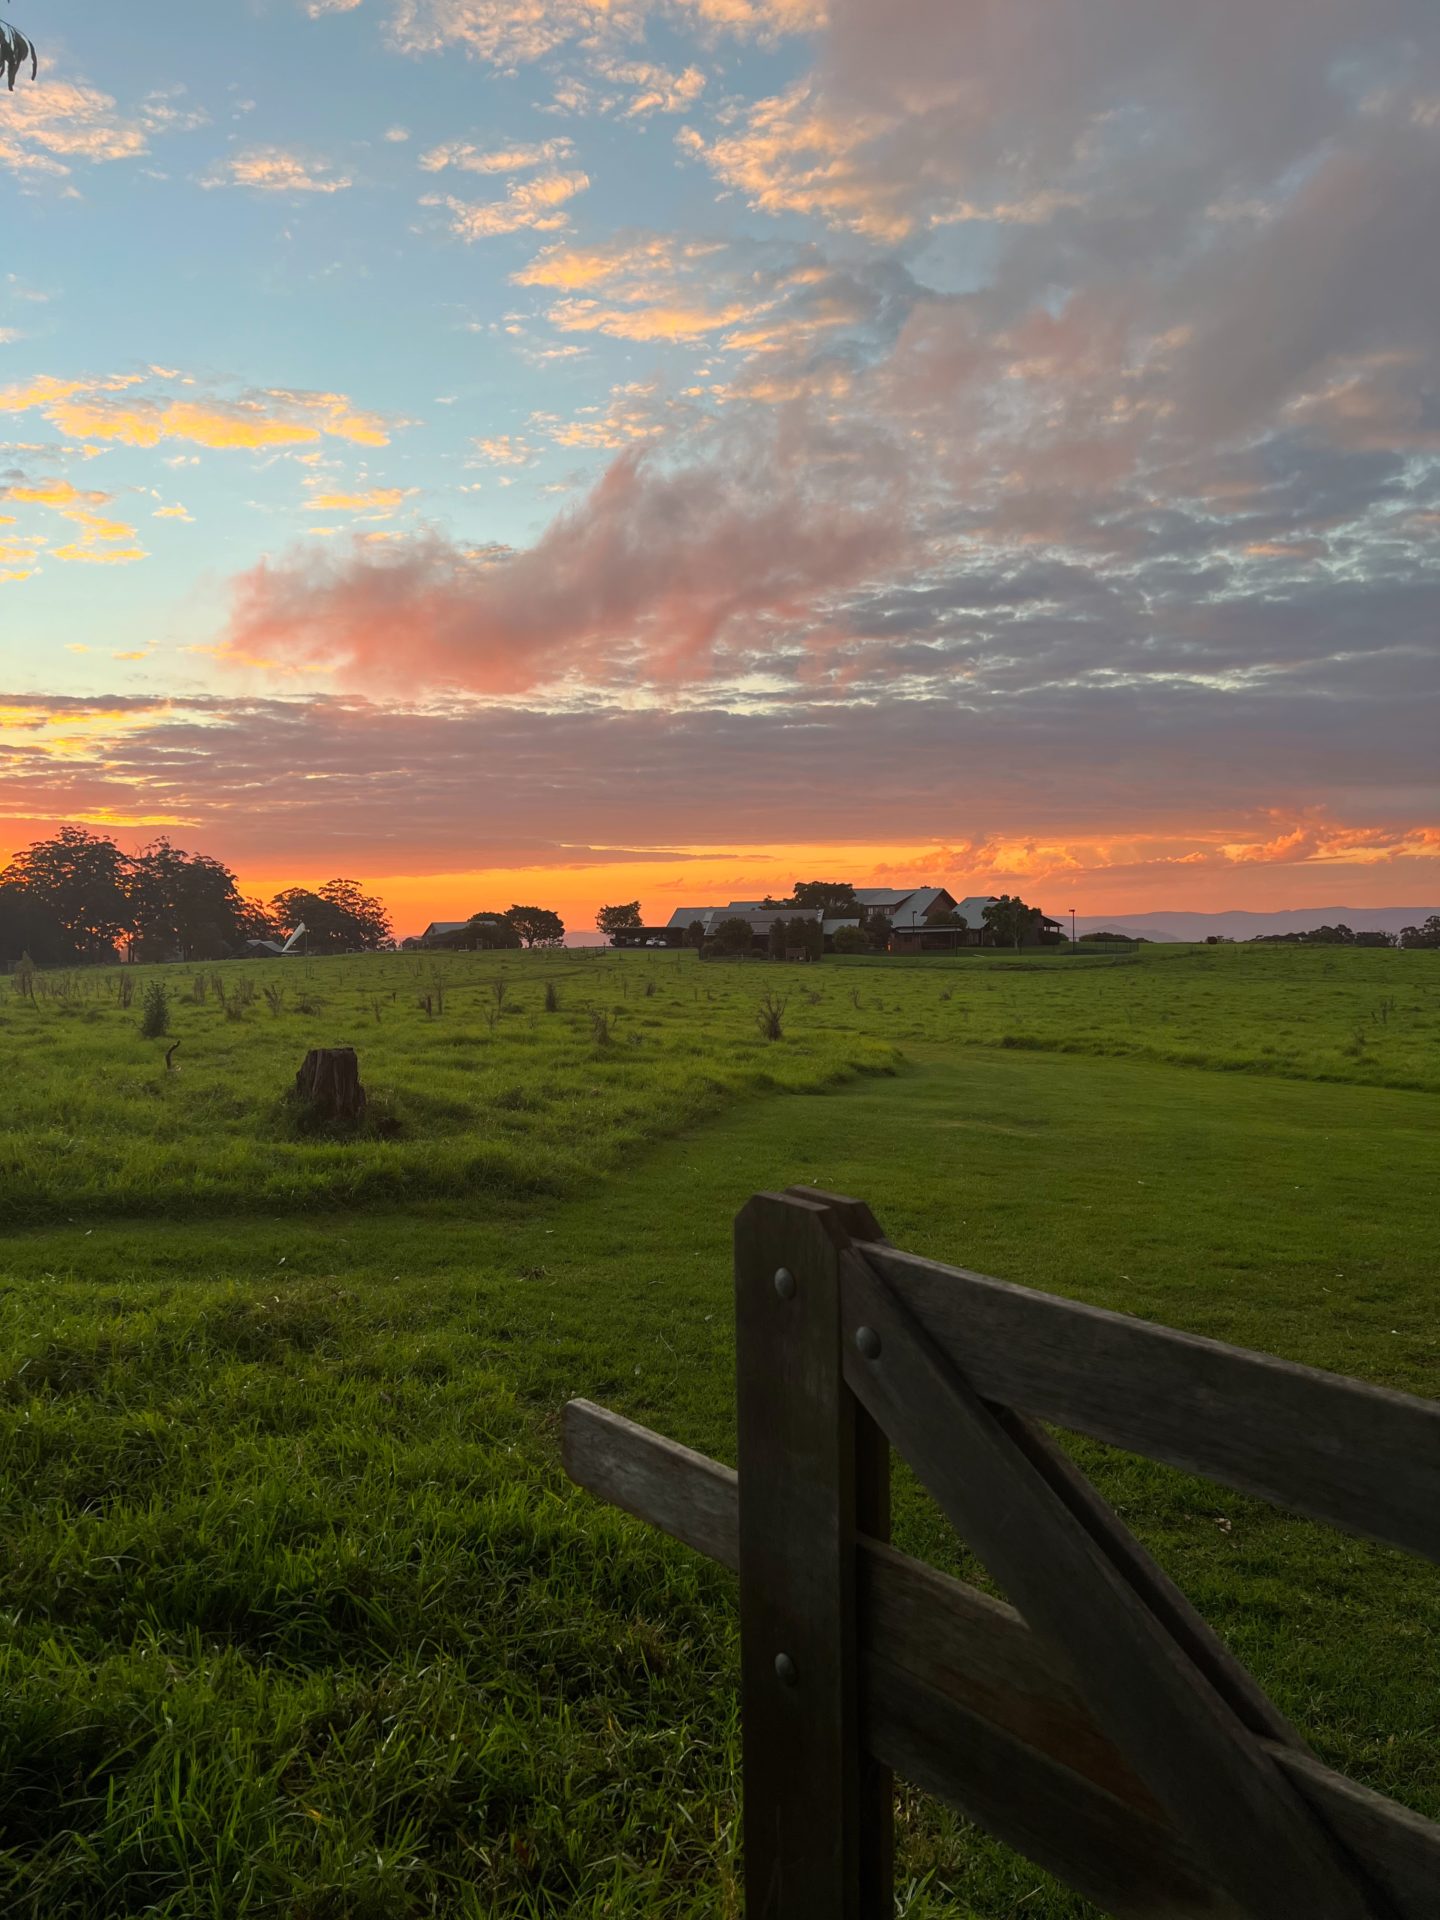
(785, 1284)
(868, 1341)
(785, 1671)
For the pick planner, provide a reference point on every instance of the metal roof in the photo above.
(974, 905)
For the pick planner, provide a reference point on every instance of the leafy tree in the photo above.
(338, 917)
(1010, 920)
(695, 934)
(775, 942)
(877, 930)
(82, 881)
(491, 932)
(16, 52)
(734, 936)
(806, 936)
(537, 926)
(850, 940)
(256, 921)
(949, 919)
(828, 895)
(183, 905)
(1427, 934)
(28, 926)
(613, 921)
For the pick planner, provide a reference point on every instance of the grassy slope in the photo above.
(302, 1619)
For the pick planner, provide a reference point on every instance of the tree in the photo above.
(807, 936)
(1427, 934)
(16, 52)
(734, 936)
(775, 943)
(949, 919)
(537, 926)
(491, 932)
(828, 895)
(695, 934)
(183, 906)
(613, 921)
(82, 880)
(28, 926)
(877, 930)
(338, 917)
(1010, 920)
(850, 940)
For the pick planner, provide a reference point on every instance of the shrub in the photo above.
(155, 1011)
(552, 997)
(769, 1017)
(275, 999)
(850, 940)
(600, 1026)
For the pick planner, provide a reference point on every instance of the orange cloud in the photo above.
(536, 204)
(795, 154)
(519, 159)
(507, 33)
(373, 500)
(46, 128)
(94, 410)
(277, 170)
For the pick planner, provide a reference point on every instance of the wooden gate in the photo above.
(1098, 1725)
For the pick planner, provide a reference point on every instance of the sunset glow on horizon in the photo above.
(662, 449)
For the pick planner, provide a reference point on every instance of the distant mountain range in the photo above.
(1244, 926)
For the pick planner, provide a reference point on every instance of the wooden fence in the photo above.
(1098, 1725)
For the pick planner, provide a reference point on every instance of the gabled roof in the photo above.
(685, 916)
(974, 905)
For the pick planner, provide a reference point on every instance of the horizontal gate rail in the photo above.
(1101, 1728)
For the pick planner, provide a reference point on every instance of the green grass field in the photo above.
(300, 1617)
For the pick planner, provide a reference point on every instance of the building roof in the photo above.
(444, 926)
(684, 917)
(973, 907)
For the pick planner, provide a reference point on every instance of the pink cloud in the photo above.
(659, 569)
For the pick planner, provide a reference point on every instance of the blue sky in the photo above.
(555, 443)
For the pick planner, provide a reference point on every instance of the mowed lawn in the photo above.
(299, 1615)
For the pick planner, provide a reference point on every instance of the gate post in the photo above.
(814, 1471)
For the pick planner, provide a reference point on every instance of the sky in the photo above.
(577, 450)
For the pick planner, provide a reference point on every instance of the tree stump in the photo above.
(329, 1084)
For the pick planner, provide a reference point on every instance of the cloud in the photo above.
(276, 170)
(422, 789)
(536, 204)
(102, 541)
(506, 450)
(510, 33)
(660, 570)
(797, 154)
(143, 411)
(45, 130)
(371, 501)
(516, 159)
(646, 88)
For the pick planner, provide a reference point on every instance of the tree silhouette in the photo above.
(15, 53)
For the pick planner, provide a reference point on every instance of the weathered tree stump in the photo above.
(329, 1084)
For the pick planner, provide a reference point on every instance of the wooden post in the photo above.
(813, 1472)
